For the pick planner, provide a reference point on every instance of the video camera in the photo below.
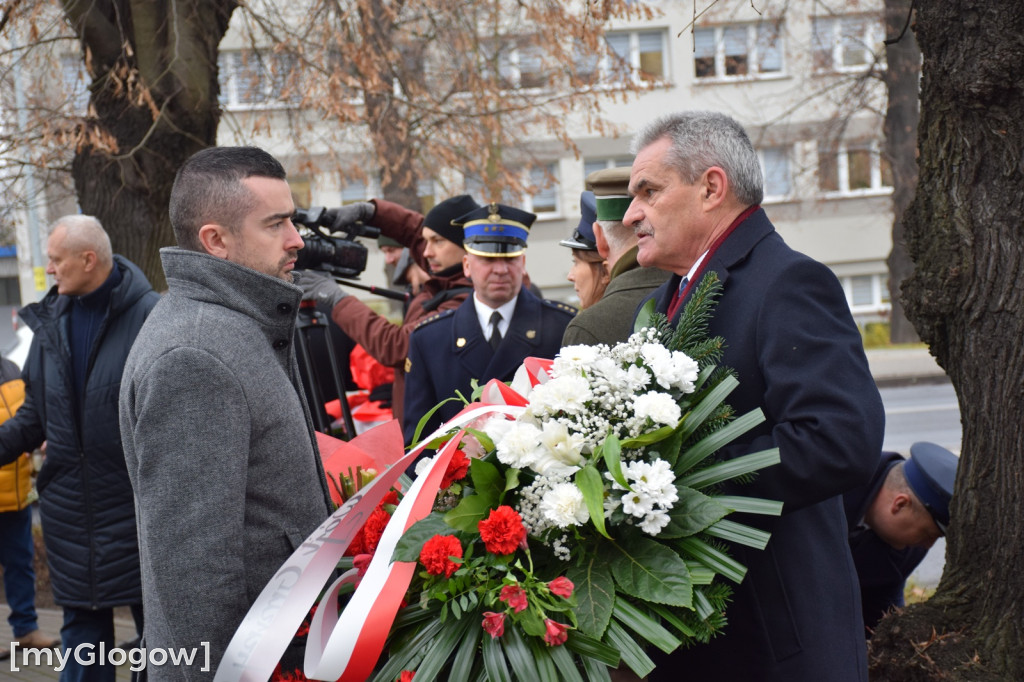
(341, 256)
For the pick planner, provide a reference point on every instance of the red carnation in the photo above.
(561, 586)
(458, 466)
(494, 624)
(514, 596)
(555, 633)
(435, 553)
(502, 530)
(368, 537)
(407, 676)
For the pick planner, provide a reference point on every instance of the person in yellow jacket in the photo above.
(16, 548)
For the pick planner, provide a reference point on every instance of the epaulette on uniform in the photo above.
(558, 305)
(434, 318)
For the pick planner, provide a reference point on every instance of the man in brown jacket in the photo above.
(435, 245)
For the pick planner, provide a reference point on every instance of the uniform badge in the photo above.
(531, 334)
(460, 342)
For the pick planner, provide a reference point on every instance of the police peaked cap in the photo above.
(496, 230)
(930, 473)
(583, 236)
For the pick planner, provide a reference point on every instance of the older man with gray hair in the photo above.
(84, 328)
(697, 186)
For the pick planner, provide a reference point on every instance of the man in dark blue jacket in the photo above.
(696, 185)
(84, 328)
(895, 519)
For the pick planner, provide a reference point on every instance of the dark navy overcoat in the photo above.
(799, 357)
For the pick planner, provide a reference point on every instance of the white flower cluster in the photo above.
(652, 494)
(591, 391)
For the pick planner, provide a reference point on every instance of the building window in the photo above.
(846, 43)
(591, 165)
(541, 196)
(638, 56)
(739, 51)
(853, 168)
(544, 198)
(867, 294)
(778, 179)
(250, 79)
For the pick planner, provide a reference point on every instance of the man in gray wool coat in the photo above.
(217, 436)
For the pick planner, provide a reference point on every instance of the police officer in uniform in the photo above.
(490, 334)
(895, 519)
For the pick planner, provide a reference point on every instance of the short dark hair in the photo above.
(209, 189)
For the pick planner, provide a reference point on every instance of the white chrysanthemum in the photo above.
(654, 522)
(520, 446)
(563, 394)
(636, 503)
(659, 360)
(635, 378)
(563, 505)
(497, 426)
(611, 503)
(606, 366)
(571, 359)
(654, 479)
(686, 371)
(660, 408)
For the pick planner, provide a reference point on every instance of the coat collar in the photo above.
(269, 301)
(735, 249)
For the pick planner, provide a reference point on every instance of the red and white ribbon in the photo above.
(346, 646)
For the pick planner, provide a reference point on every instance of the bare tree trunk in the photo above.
(965, 232)
(387, 121)
(902, 73)
(153, 103)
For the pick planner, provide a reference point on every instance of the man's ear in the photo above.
(714, 185)
(90, 260)
(465, 264)
(213, 239)
(900, 501)
(599, 239)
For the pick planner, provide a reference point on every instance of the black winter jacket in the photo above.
(85, 498)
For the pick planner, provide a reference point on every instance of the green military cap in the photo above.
(611, 189)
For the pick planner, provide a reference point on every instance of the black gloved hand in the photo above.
(343, 216)
(320, 288)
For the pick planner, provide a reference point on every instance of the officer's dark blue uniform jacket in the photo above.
(799, 357)
(449, 350)
(881, 568)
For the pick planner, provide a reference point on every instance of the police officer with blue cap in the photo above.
(895, 519)
(490, 334)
